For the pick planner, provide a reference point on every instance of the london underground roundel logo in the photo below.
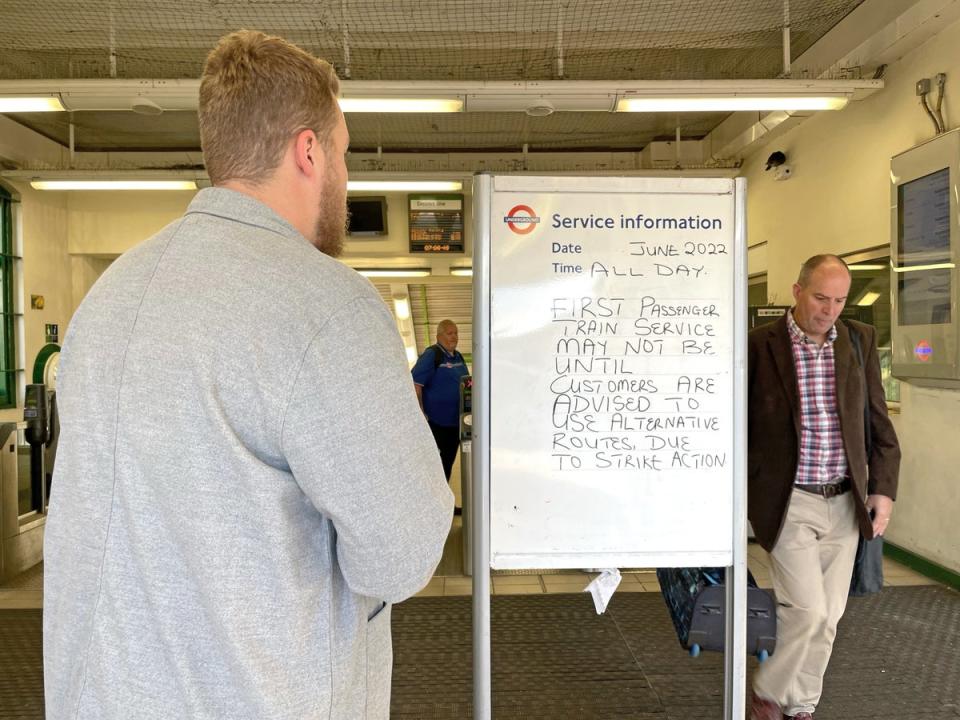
(521, 219)
(923, 352)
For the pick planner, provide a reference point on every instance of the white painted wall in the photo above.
(838, 201)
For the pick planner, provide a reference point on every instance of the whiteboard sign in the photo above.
(612, 337)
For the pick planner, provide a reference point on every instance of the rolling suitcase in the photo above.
(696, 598)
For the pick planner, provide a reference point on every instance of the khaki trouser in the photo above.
(811, 565)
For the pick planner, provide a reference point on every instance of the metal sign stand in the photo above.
(736, 578)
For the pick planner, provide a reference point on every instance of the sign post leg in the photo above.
(482, 691)
(735, 645)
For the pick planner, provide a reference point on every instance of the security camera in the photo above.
(776, 159)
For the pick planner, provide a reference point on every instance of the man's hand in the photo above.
(882, 508)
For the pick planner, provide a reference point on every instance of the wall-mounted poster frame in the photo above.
(436, 222)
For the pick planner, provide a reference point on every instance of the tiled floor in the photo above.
(633, 580)
(25, 591)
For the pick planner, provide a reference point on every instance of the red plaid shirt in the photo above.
(822, 458)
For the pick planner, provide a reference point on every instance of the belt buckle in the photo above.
(834, 489)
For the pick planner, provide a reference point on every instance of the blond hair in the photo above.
(256, 93)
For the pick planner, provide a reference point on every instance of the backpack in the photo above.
(438, 355)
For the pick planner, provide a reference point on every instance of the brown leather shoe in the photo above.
(763, 709)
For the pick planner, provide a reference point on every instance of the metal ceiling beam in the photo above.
(22, 147)
(877, 32)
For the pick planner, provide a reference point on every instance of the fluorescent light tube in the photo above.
(40, 103)
(462, 271)
(113, 185)
(864, 268)
(401, 105)
(915, 268)
(406, 185)
(401, 307)
(868, 299)
(394, 272)
(730, 103)
(411, 354)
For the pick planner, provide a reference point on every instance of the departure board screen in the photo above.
(925, 219)
(924, 241)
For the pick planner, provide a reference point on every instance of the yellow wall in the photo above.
(70, 238)
(46, 272)
(106, 224)
(838, 201)
(85, 270)
(109, 223)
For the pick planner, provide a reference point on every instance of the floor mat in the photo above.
(896, 658)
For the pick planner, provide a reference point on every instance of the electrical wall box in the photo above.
(924, 253)
(783, 172)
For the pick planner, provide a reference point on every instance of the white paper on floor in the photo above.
(602, 588)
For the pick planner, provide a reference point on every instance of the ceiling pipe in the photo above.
(560, 8)
(113, 43)
(346, 40)
(786, 38)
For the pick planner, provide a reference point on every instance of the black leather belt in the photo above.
(827, 490)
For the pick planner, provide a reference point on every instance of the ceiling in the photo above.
(450, 41)
(414, 40)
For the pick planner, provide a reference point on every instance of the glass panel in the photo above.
(924, 220)
(436, 223)
(924, 297)
(870, 290)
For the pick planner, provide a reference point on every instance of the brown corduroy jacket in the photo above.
(773, 419)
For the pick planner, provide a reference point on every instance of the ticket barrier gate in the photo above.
(466, 457)
(41, 434)
(25, 487)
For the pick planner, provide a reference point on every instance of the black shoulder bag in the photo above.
(868, 567)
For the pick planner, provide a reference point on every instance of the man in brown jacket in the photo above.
(812, 482)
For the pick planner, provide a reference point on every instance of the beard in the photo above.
(332, 221)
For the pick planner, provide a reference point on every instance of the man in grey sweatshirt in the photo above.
(245, 482)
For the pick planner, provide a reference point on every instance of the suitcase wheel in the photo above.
(694, 650)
